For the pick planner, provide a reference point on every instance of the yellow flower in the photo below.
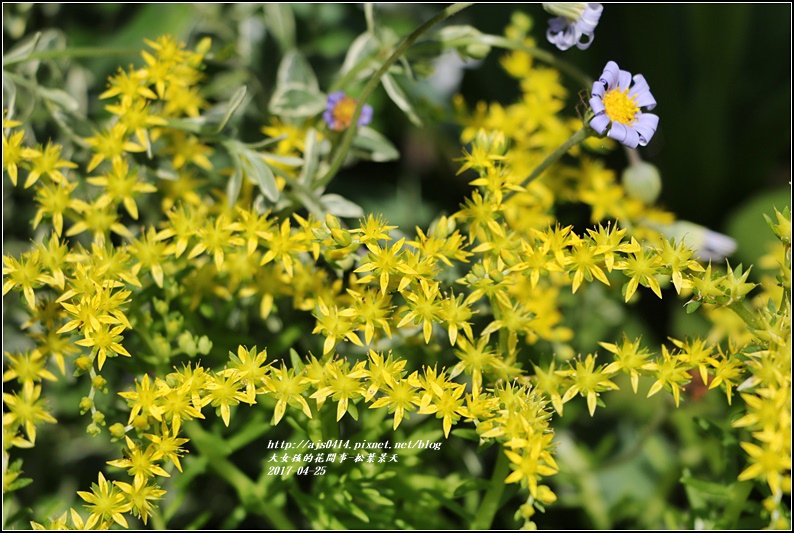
(588, 381)
(140, 494)
(401, 398)
(26, 410)
(671, 372)
(141, 463)
(343, 385)
(27, 368)
(106, 503)
(224, 392)
(120, 185)
(48, 163)
(287, 388)
(641, 267)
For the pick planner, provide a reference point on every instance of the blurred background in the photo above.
(721, 75)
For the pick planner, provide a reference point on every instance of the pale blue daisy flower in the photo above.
(618, 107)
(575, 20)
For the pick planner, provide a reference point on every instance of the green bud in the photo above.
(93, 430)
(478, 50)
(140, 422)
(187, 344)
(161, 306)
(204, 345)
(100, 384)
(642, 181)
(86, 404)
(117, 431)
(332, 222)
(82, 364)
(781, 226)
(341, 237)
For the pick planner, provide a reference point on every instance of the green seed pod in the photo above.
(643, 182)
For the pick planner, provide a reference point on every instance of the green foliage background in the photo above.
(722, 77)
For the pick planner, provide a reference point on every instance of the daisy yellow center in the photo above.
(619, 107)
(343, 112)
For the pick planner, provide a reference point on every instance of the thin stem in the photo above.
(547, 57)
(552, 158)
(347, 141)
(73, 52)
(745, 314)
(490, 502)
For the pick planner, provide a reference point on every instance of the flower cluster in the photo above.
(463, 328)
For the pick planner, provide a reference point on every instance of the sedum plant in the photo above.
(202, 306)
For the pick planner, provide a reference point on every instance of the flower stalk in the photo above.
(347, 140)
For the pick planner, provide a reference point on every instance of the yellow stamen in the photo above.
(343, 113)
(619, 107)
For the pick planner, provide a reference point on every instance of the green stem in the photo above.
(490, 502)
(247, 490)
(745, 314)
(547, 57)
(347, 140)
(73, 52)
(552, 158)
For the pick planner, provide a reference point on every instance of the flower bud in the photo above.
(140, 422)
(100, 384)
(117, 431)
(86, 404)
(643, 182)
(82, 363)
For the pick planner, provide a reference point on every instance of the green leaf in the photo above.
(374, 146)
(692, 305)
(9, 96)
(235, 181)
(260, 173)
(467, 434)
(234, 103)
(375, 497)
(22, 49)
(471, 485)
(295, 359)
(356, 511)
(311, 155)
(297, 101)
(295, 71)
(353, 410)
(60, 98)
(341, 207)
(280, 20)
(708, 489)
(363, 48)
(399, 97)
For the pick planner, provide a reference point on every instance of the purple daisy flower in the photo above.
(575, 20)
(618, 107)
(338, 113)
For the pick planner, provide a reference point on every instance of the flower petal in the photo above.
(600, 123)
(645, 126)
(610, 75)
(642, 92)
(624, 80)
(597, 105)
(625, 135)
